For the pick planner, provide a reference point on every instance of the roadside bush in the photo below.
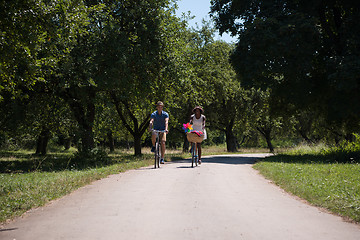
(94, 158)
(346, 151)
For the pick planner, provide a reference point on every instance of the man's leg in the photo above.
(163, 141)
(162, 149)
(153, 140)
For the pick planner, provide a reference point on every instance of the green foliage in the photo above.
(94, 158)
(305, 52)
(346, 151)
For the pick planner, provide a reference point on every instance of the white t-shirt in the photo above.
(197, 124)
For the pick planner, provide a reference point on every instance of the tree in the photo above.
(75, 77)
(132, 61)
(106, 126)
(306, 52)
(225, 96)
(263, 120)
(209, 81)
(38, 36)
(21, 29)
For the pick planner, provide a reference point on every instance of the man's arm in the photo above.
(151, 124)
(166, 124)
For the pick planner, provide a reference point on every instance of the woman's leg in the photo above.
(199, 151)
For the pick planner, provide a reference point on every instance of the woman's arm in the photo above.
(204, 119)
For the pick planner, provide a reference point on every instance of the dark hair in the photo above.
(198, 107)
(159, 103)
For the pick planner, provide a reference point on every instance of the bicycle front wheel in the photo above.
(193, 154)
(157, 157)
(158, 149)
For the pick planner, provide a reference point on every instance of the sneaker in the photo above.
(153, 149)
(162, 161)
(199, 161)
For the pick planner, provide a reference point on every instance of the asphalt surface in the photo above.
(224, 198)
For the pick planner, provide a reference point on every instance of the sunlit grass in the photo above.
(316, 175)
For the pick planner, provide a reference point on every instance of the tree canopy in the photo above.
(90, 72)
(306, 52)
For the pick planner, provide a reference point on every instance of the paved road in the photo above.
(224, 198)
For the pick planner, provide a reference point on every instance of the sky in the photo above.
(200, 9)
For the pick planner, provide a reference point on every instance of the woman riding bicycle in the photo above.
(198, 123)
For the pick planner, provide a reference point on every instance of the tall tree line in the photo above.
(90, 72)
(305, 53)
(82, 52)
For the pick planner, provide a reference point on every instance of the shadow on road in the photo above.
(230, 159)
(226, 159)
(8, 229)
(185, 166)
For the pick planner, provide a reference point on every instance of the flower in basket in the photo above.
(199, 133)
(187, 127)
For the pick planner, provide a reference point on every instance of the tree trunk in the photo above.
(268, 141)
(186, 145)
(134, 127)
(87, 139)
(137, 144)
(266, 132)
(42, 142)
(230, 141)
(111, 141)
(67, 143)
(305, 137)
(38, 145)
(83, 109)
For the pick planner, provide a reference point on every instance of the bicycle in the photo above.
(194, 138)
(194, 155)
(157, 147)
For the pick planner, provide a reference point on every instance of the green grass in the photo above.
(327, 179)
(221, 149)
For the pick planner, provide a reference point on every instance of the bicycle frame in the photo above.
(157, 148)
(194, 155)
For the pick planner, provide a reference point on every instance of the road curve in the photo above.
(224, 198)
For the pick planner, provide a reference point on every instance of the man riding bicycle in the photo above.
(159, 121)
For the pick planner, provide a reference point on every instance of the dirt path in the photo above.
(224, 198)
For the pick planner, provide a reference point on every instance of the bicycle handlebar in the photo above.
(158, 131)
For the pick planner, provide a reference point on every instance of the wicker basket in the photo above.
(193, 137)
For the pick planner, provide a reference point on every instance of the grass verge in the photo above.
(318, 178)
